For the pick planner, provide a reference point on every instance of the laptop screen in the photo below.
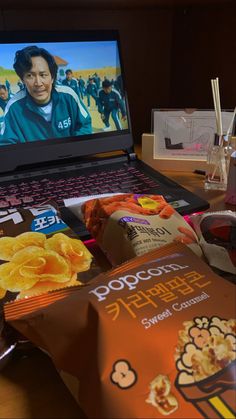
(62, 95)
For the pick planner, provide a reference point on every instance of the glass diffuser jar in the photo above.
(216, 168)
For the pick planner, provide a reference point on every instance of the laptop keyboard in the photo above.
(36, 191)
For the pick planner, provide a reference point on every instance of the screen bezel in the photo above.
(13, 156)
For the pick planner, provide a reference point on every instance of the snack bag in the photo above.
(216, 231)
(128, 225)
(38, 253)
(153, 338)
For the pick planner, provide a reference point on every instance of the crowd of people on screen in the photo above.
(45, 106)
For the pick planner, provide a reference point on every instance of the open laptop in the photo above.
(54, 126)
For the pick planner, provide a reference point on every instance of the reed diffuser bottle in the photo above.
(216, 169)
(219, 152)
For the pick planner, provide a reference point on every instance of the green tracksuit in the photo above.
(23, 121)
(73, 84)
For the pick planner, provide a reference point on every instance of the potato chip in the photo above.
(33, 264)
(72, 249)
(12, 280)
(30, 238)
(10, 245)
(6, 247)
(43, 264)
(27, 254)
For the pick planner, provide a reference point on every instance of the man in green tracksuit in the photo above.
(42, 111)
(70, 81)
(5, 96)
(110, 102)
(4, 99)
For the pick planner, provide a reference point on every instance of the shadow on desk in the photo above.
(32, 388)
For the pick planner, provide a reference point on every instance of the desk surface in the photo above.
(30, 385)
(195, 183)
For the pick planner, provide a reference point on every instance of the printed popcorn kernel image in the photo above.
(161, 397)
(123, 375)
(205, 358)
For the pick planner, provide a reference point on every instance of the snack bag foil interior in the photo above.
(216, 231)
(38, 253)
(153, 338)
(129, 225)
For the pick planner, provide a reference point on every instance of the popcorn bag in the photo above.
(38, 253)
(153, 338)
(129, 225)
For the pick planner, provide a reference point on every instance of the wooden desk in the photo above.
(30, 386)
(195, 184)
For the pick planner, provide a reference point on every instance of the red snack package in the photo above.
(129, 225)
(154, 337)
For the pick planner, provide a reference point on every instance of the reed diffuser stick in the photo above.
(219, 158)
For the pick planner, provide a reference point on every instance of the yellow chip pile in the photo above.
(32, 260)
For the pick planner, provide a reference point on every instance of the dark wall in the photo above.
(169, 55)
(204, 47)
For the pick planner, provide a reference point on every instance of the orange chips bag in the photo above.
(129, 225)
(153, 338)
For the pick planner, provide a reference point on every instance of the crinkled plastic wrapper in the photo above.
(38, 253)
(152, 338)
(216, 231)
(129, 225)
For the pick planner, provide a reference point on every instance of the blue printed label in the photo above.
(47, 223)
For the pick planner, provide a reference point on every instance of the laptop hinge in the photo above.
(132, 156)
